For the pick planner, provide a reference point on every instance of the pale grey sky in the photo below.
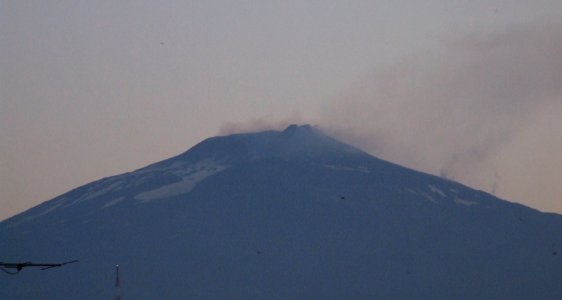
(90, 89)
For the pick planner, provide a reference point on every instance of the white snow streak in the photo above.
(437, 190)
(428, 197)
(113, 202)
(102, 191)
(44, 212)
(465, 202)
(94, 191)
(191, 176)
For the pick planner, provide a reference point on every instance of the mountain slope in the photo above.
(283, 215)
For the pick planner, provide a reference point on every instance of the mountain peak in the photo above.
(306, 141)
(294, 142)
(294, 128)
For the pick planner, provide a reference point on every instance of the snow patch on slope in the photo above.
(97, 190)
(428, 197)
(465, 202)
(113, 202)
(190, 177)
(100, 192)
(437, 190)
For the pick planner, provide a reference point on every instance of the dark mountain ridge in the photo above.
(283, 215)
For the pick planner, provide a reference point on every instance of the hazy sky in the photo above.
(470, 90)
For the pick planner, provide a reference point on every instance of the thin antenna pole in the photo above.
(117, 284)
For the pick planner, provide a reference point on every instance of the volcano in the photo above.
(291, 214)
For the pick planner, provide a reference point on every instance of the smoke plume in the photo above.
(452, 110)
(259, 124)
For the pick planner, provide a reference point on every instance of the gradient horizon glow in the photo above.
(470, 90)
